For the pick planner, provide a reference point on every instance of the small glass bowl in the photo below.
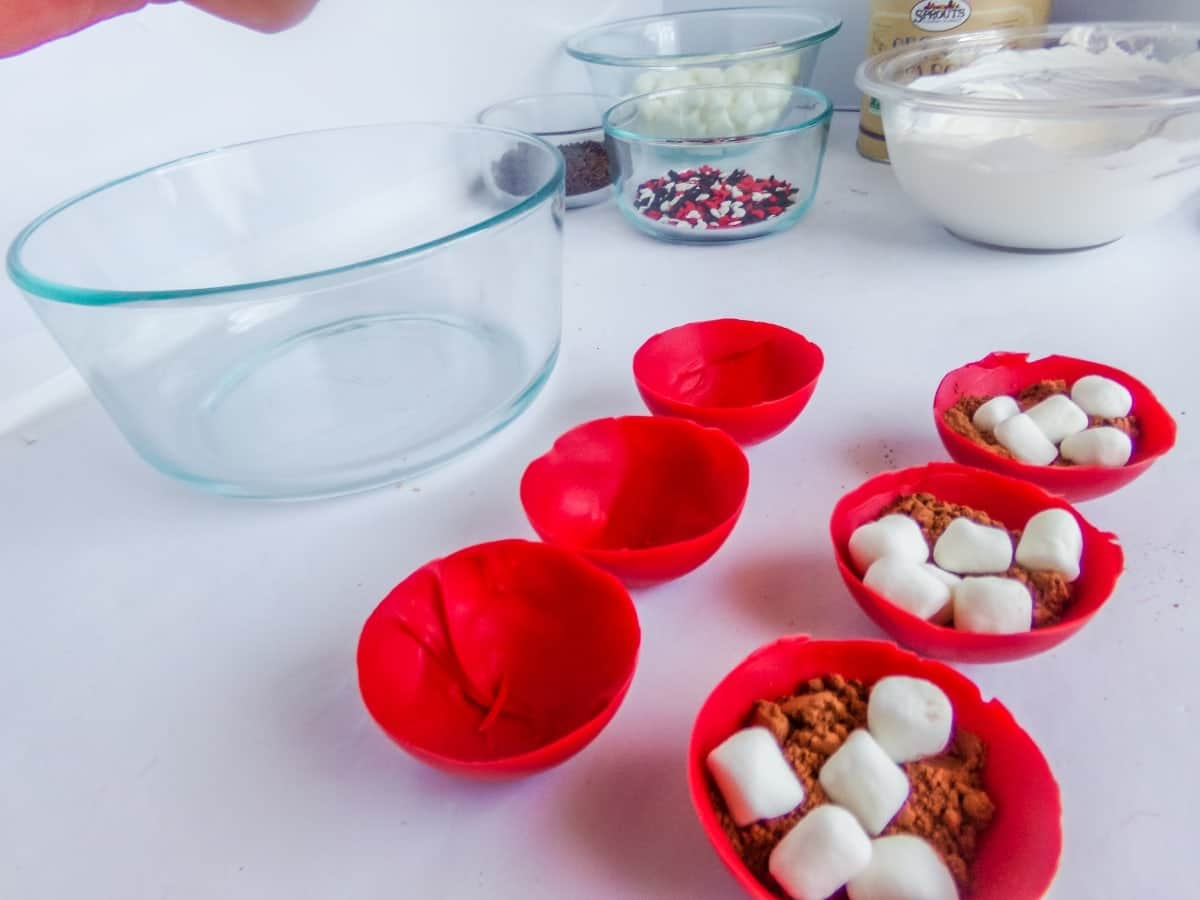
(707, 46)
(668, 143)
(572, 123)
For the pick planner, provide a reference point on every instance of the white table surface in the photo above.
(180, 715)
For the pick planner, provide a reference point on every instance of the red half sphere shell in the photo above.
(648, 499)
(750, 379)
(1010, 373)
(499, 660)
(1019, 852)
(1008, 500)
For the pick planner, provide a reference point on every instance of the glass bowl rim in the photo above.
(824, 26)
(50, 289)
(825, 114)
(876, 76)
(534, 99)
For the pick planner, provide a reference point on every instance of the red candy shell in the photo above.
(1018, 854)
(1008, 500)
(648, 499)
(500, 659)
(1009, 373)
(750, 379)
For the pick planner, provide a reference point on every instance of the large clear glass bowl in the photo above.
(1077, 134)
(763, 44)
(310, 314)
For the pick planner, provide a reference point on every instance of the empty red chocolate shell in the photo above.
(1008, 500)
(750, 379)
(646, 498)
(1010, 373)
(501, 659)
(1017, 855)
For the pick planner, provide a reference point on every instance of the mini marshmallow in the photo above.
(911, 586)
(646, 82)
(738, 73)
(820, 854)
(1102, 446)
(995, 411)
(1052, 542)
(719, 99)
(775, 76)
(910, 718)
(991, 605)
(720, 124)
(1021, 437)
(1100, 396)
(903, 867)
(947, 578)
(863, 778)
(673, 78)
(754, 776)
(743, 114)
(1058, 417)
(894, 535)
(759, 122)
(968, 548)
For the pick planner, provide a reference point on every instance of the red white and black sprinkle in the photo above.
(706, 198)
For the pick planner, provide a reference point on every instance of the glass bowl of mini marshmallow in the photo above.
(751, 44)
(1054, 138)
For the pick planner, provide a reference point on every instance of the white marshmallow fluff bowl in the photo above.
(1054, 138)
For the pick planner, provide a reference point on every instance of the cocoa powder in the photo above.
(947, 804)
(1052, 593)
(958, 417)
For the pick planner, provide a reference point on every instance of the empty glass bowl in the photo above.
(772, 44)
(717, 163)
(571, 122)
(311, 314)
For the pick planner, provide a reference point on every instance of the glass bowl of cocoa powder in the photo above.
(572, 123)
(988, 804)
(960, 393)
(934, 495)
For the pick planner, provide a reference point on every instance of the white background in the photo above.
(179, 716)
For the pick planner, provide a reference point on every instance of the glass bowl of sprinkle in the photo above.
(571, 122)
(717, 163)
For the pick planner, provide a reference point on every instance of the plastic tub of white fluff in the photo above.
(1053, 138)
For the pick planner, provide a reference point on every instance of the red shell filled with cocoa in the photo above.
(501, 659)
(1010, 374)
(1016, 855)
(648, 499)
(1011, 502)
